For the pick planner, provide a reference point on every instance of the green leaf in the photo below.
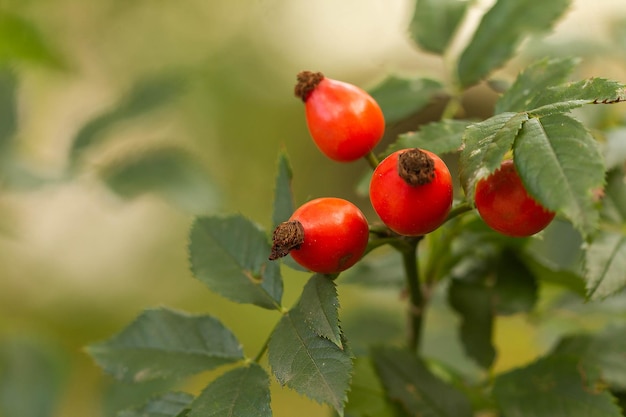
(163, 343)
(319, 305)
(553, 275)
(605, 265)
(552, 386)
(170, 404)
(172, 173)
(486, 144)
(20, 40)
(283, 196)
(614, 149)
(561, 167)
(307, 363)
(230, 255)
(367, 398)
(33, 376)
(604, 351)
(532, 83)
(8, 106)
(474, 304)
(146, 95)
(434, 23)
(614, 200)
(440, 137)
(409, 383)
(128, 396)
(242, 392)
(500, 32)
(400, 97)
(562, 99)
(377, 270)
(515, 289)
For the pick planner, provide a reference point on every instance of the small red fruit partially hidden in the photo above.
(325, 235)
(411, 191)
(504, 204)
(344, 121)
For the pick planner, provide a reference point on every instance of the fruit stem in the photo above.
(459, 209)
(372, 160)
(417, 302)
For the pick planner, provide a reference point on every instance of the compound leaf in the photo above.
(170, 172)
(474, 304)
(401, 97)
(434, 23)
(319, 304)
(561, 167)
(409, 383)
(500, 32)
(163, 343)
(486, 143)
(605, 265)
(307, 363)
(438, 137)
(241, 392)
(230, 255)
(552, 386)
(170, 404)
(604, 351)
(532, 83)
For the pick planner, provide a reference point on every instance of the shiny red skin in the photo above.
(335, 235)
(344, 121)
(411, 210)
(504, 204)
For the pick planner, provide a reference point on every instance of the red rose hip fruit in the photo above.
(344, 121)
(504, 204)
(325, 235)
(411, 191)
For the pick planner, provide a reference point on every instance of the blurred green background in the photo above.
(201, 92)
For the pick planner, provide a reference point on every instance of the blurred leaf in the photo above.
(552, 386)
(434, 23)
(170, 172)
(515, 290)
(474, 304)
(618, 31)
(561, 277)
(604, 350)
(283, 196)
(561, 166)
(8, 105)
(377, 270)
(126, 396)
(438, 137)
(20, 40)
(486, 144)
(401, 97)
(500, 32)
(242, 392)
(614, 199)
(566, 97)
(318, 305)
(367, 397)
(170, 404)
(532, 82)
(163, 343)
(605, 264)
(307, 363)
(409, 383)
(230, 255)
(146, 95)
(32, 376)
(614, 150)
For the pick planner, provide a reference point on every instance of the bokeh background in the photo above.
(80, 257)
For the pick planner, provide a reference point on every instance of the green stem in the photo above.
(417, 302)
(372, 160)
(459, 209)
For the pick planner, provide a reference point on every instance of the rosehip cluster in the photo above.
(411, 189)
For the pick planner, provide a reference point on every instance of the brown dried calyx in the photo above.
(307, 81)
(287, 236)
(416, 167)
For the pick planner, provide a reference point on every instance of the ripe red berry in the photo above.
(411, 191)
(505, 205)
(344, 121)
(325, 235)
